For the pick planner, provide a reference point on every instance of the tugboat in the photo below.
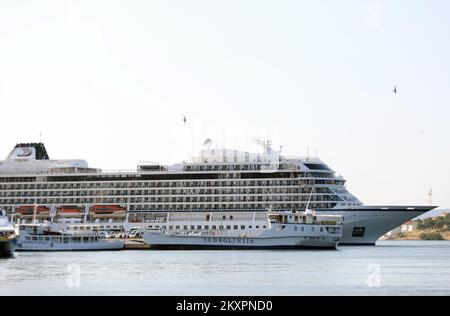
(285, 230)
(8, 238)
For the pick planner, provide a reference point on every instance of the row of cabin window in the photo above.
(162, 184)
(303, 228)
(193, 227)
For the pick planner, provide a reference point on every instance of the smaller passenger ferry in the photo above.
(46, 237)
(285, 230)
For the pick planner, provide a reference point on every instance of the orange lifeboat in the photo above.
(69, 210)
(29, 210)
(107, 209)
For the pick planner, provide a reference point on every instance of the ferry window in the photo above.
(257, 226)
(199, 226)
(170, 227)
(221, 227)
(228, 227)
(303, 229)
(321, 229)
(235, 227)
(185, 227)
(231, 216)
(250, 226)
(295, 228)
(264, 226)
(312, 229)
(177, 227)
(224, 217)
(242, 226)
(192, 227)
(214, 227)
(206, 226)
(358, 231)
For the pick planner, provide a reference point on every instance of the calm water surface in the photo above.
(390, 268)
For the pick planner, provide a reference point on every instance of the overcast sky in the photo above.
(109, 82)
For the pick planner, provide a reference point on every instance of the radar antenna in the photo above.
(264, 143)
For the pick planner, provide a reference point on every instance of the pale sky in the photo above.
(109, 82)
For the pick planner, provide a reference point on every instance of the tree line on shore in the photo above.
(437, 223)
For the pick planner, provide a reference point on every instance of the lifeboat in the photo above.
(107, 209)
(29, 210)
(69, 210)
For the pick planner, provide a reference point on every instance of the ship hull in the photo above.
(208, 247)
(48, 246)
(169, 242)
(7, 247)
(365, 225)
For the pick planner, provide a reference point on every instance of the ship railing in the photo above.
(208, 233)
(302, 158)
(119, 171)
(153, 221)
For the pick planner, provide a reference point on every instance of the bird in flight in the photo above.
(395, 90)
(184, 119)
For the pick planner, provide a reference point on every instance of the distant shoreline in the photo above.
(416, 235)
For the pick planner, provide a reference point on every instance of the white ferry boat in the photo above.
(43, 237)
(8, 238)
(285, 230)
(228, 182)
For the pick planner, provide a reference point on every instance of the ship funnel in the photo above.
(31, 151)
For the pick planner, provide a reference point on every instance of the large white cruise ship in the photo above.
(219, 181)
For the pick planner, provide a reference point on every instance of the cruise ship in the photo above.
(233, 183)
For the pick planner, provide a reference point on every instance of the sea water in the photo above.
(389, 268)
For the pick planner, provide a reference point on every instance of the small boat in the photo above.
(44, 237)
(8, 238)
(32, 209)
(69, 211)
(285, 230)
(107, 209)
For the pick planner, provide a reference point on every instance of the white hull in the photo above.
(376, 221)
(157, 241)
(52, 246)
(284, 232)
